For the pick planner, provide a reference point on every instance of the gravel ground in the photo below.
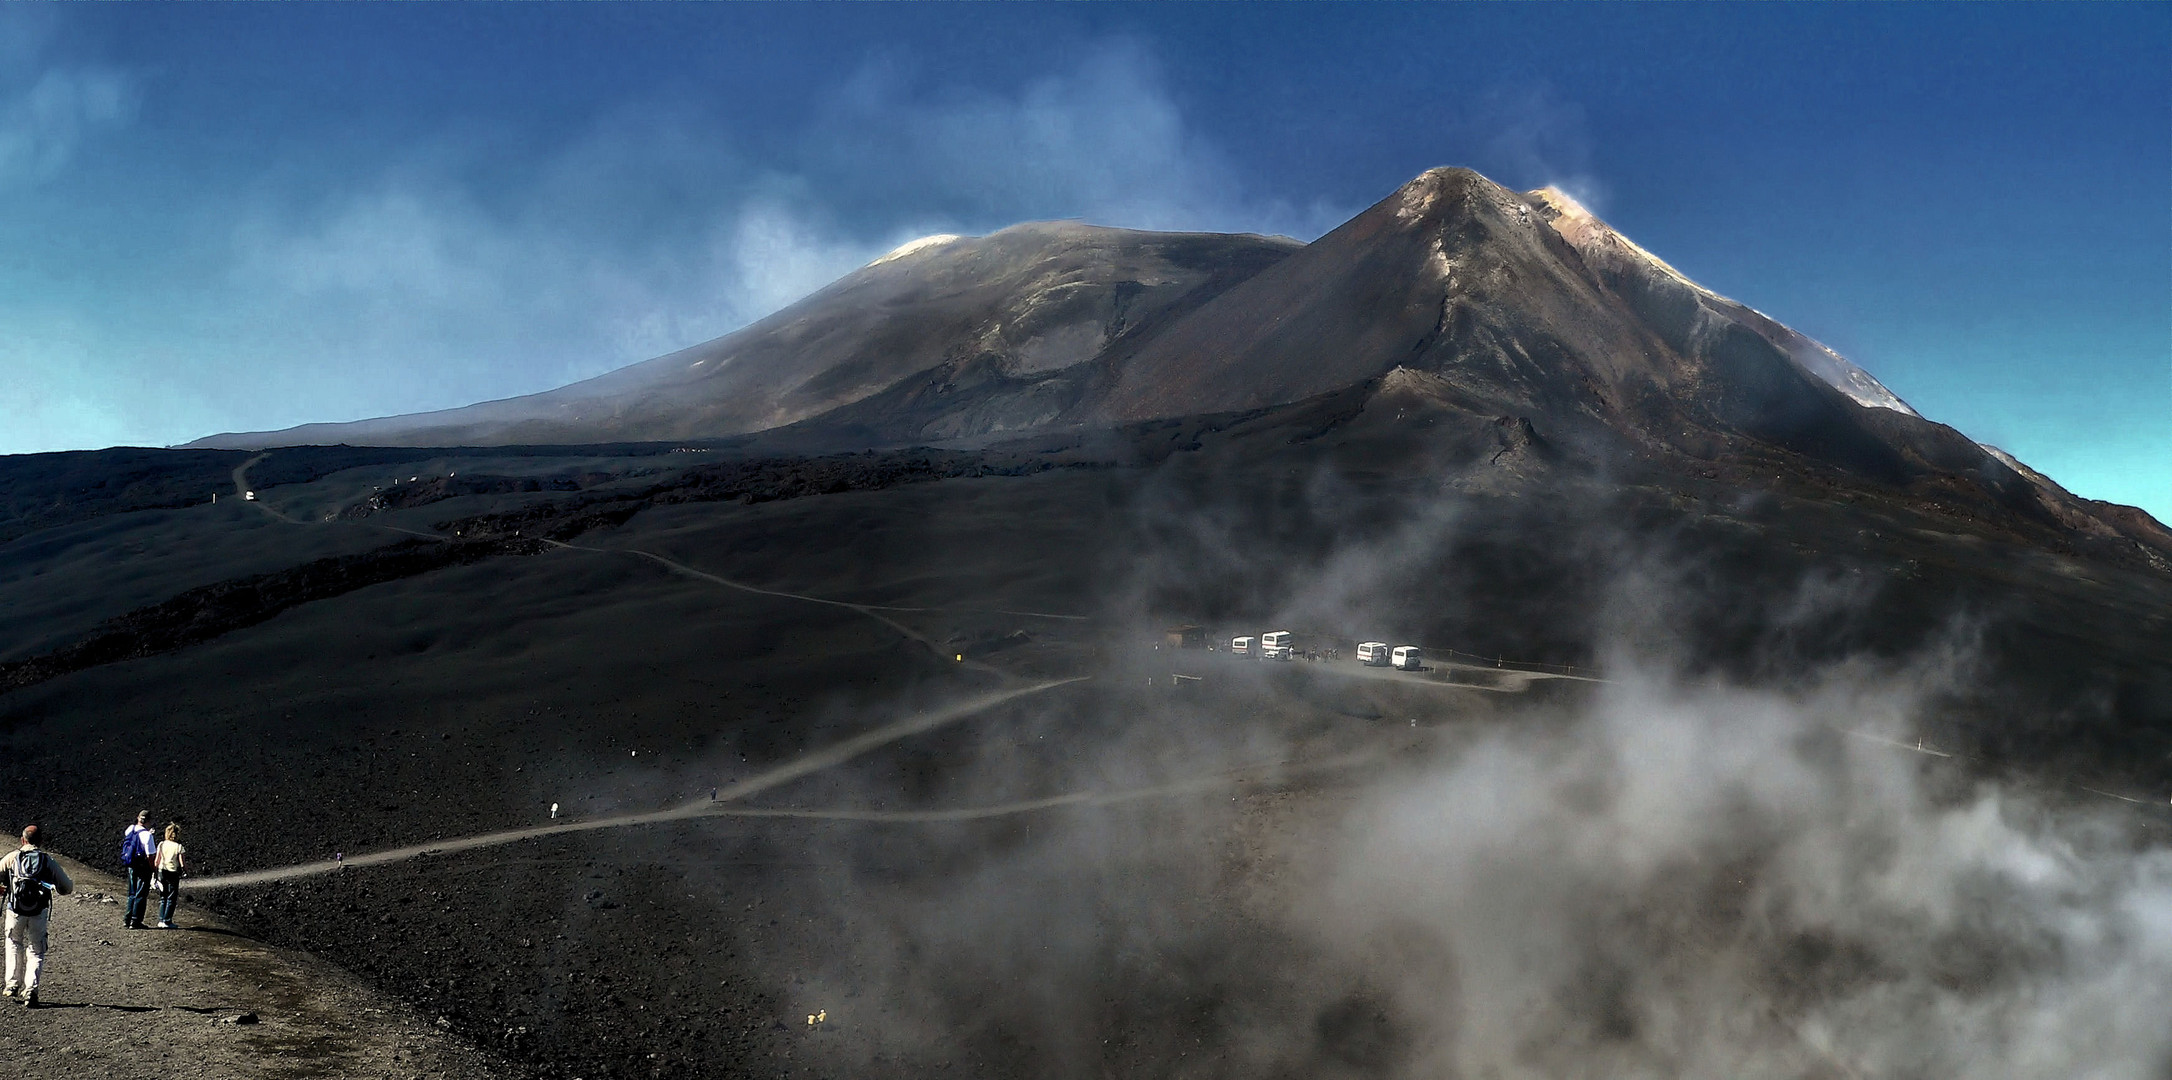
(205, 1001)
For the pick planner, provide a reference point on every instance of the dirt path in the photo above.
(803, 765)
(1249, 776)
(241, 489)
(872, 611)
(159, 1004)
(703, 575)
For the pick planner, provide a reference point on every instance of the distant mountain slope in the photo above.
(1620, 262)
(1028, 304)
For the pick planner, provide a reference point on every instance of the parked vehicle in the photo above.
(1241, 646)
(1373, 653)
(1186, 636)
(1409, 658)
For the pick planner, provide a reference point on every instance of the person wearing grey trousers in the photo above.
(28, 879)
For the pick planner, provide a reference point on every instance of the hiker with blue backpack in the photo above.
(28, 878)
(139, 855)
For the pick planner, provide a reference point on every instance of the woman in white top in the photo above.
(171, 862)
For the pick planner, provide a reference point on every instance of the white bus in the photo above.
(1240, 646)
(1409, 658)
(1279, 639)
(1373, 653)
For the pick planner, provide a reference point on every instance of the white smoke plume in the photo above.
(1714, 882)
(1673, 879)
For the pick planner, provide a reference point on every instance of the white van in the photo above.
(1409, 658)
(1240, 646)
(1373, 653)
(1279, 639)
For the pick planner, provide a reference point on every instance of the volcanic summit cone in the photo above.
(1523, 305)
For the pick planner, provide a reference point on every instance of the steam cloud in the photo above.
(1675, 880)
(1710, 882)
(1677, 876)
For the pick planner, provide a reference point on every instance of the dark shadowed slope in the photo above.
(1026, 305)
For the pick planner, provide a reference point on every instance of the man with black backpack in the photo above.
(28, 878)
(139, 855)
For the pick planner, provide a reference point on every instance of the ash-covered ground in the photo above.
(1727, 858)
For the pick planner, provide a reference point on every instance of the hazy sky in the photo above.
(221, 217)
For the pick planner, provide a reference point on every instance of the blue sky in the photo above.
(220, 217)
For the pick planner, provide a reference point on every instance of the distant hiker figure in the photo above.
(139, 855)
(28, 878)
(554, 811)
(172, 860)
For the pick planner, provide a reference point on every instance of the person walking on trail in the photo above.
(28, 878)
(139, 854)
(171, 862)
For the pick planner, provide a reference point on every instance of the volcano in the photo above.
(822, 670)
(1503, 307)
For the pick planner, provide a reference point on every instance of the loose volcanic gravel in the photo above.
(204, 1000)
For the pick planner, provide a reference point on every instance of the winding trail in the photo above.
(1222, 780)
(835, 754)
(681, 568)
(1218, 781)
(241, 489)
(872, 611)
(864, 609)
